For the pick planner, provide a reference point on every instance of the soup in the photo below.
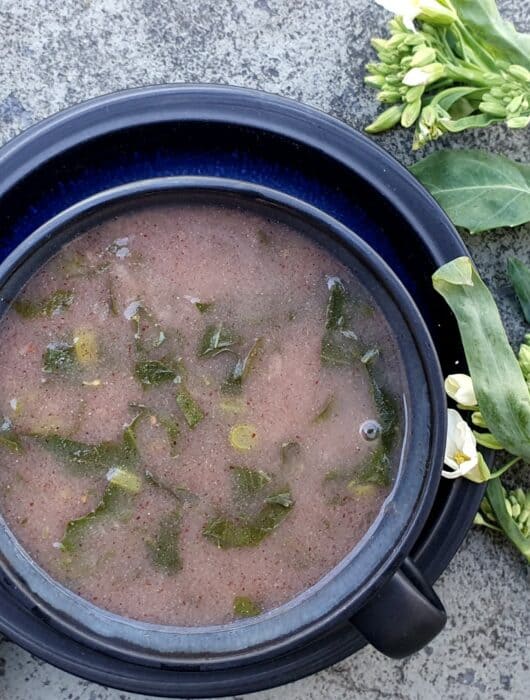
(200, 414)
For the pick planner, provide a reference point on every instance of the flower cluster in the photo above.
(517, 504)
(438, 77)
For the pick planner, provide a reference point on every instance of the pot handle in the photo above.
(403, 616)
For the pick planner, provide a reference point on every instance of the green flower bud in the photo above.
(393, 79)
(416, 39)
(406, 62)
(494, 108)
(397, 39)
(422, 57)
(524, 359)
(514, 104)
(414, 93)
(518, 122)
(520, 73)
(411, 113)
(377, 81)
(386, 120)
(379, 44)
(389, 96)
(497, 92)
(478, 420)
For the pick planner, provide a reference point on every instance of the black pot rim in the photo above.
(393, 532)
(321, 134)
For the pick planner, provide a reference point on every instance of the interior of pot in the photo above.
(342, 590)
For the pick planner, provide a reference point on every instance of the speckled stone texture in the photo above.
(54, 53)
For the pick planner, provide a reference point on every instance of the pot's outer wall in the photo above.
(241, 138)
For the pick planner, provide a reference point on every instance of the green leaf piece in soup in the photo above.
(191, 410)
(216, 339)
(233, 384)
(339, 348)
(229, 533)
(519, 275)
(180, 494)
(375, 469)
(336, 308)
(148, 332)
(8, 437)
(116, 503)
(85, 459)
(153, 372)
(245, 607)
(56, 303)
(204, 306)
(386, 408)
(59, 358)
(164, 549)
(499, 384)
(248, 482)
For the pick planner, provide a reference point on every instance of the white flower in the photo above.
(408, 9)
(460, 388)
(432, 10)
(461, 451)
(424, 75)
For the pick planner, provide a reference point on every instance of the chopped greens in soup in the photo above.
(200, 407)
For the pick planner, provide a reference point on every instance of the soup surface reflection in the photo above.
(200, 414)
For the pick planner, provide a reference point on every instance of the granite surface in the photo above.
(54, 53)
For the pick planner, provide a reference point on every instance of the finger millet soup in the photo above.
(200, 414)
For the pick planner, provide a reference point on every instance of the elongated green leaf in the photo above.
(86, 459)
(56, 303)
(519, 275)
(216, 339)
(248, 482)
(116, 502)
(165, 550)
(8, 436)
(479, 191)
(496, 498)
(179, 493)
(233, 384)
(228, 533)
(153, 372)
(498, 381)
(191, 410)
(499, 37)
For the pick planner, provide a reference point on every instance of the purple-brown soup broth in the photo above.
(264, 281)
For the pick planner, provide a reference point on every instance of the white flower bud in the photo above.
(424, 75)
(460, 388)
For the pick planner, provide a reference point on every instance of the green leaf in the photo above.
(337, 298)
(249, 532)
(86, 459)
(165, 550)
(179, 493)
(233, 384)
(498, 381)
(59, 358)
(148, 333)
(191, 410)
(487, 440)
(216, 339)
(116, 503)
(387, 413)
(478, 190)
(339, 347)
(153, 372)
(58, 302)
(204, 306)
(245, 607)
(483, 21)
(248, 482)
(519, 275)
(496, 498)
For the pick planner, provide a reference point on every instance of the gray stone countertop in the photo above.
(54, 53)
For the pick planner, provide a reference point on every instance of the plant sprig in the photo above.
(450, 66)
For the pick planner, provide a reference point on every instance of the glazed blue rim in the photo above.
(338, 593)
(321, 134)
